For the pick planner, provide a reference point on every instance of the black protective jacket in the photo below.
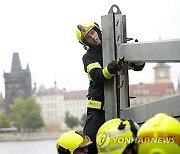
(93, 66)
(96, 77)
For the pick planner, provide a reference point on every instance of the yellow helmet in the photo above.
(159, 135)
(71, 140)
(83, 29)
(115, 135)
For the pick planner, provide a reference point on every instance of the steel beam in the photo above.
(159, 51)
(143, 112)
(111, 90)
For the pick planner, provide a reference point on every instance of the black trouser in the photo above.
(95, 118)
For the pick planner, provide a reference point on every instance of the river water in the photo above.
(28, 147)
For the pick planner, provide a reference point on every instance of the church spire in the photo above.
(16, 64)
(27, 68)
(55, 84)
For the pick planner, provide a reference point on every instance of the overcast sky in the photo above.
(43, 33)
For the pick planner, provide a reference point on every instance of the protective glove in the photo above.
(136, 66)
(121, 63)
(116, 65)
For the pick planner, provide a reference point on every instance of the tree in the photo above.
(18, 113)
(34, 119)
(25, 114)
(4, 121)
(71, 121)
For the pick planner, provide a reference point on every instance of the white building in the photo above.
(55, 103)
(76, 102)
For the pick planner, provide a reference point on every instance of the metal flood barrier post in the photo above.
(116, 90)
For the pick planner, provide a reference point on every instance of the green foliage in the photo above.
(25, 114)
(71, 121)
(4, 121)
(83, 120)
(18, 113)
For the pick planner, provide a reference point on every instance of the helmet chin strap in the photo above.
(86, 47)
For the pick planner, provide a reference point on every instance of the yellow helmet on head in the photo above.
(115, 135)
(83, 29)
(71, 140)
(159, 135)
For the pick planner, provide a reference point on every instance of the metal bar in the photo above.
(159, 51)
(141, 113)
(117, 89)
(110, 97)
(118, 31)
(124, 29)
(124, 78)
(110, 38)
(124, 90)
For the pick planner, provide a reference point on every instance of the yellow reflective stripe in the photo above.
(106, 73)
(89, 77)
(94, 104)
(93, 65)
(119, 132)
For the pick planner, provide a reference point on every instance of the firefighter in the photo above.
(73, 142)
(90, 36)
(117, 136)
(159, 135)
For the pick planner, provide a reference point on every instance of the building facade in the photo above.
(55, 103)
(161, 88)
(17, 82)
(52, 108)
(76, 103)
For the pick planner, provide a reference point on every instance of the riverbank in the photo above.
(15, 136)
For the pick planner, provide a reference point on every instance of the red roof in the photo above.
(154, 89)
(80, 94)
